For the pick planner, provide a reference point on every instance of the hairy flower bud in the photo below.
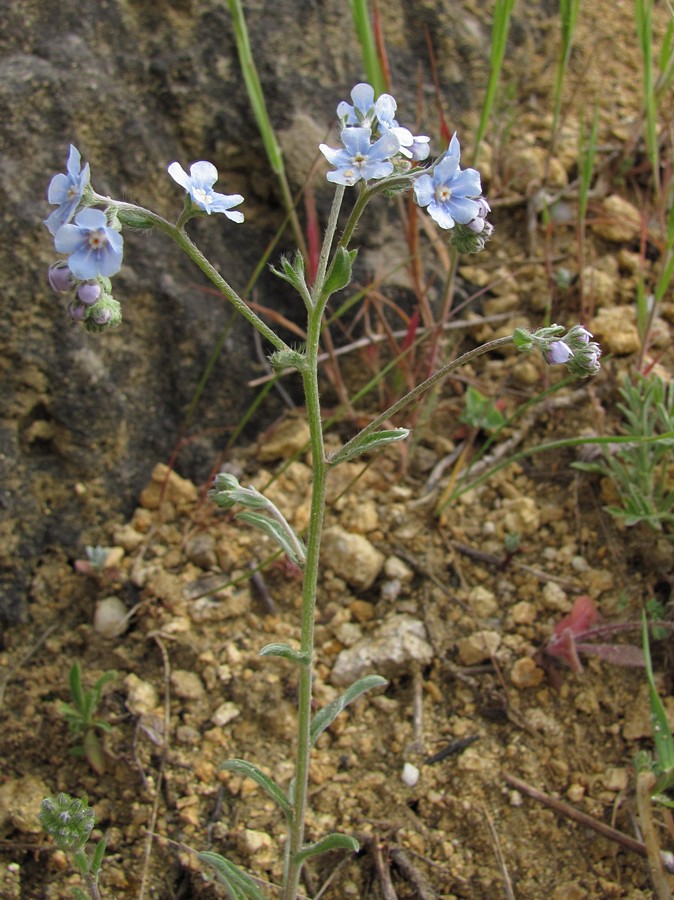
(60, 278)
(67, 820)
(88, 293)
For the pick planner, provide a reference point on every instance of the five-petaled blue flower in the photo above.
(93, 247)
(199, 185)
(450, 193)
(66, 191)
(366, 113)
(359, 159)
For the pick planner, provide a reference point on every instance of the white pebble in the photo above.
(410, 774)
(111, 617)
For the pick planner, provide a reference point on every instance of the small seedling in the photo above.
(640, 470)
(80, 716)
(69, 821)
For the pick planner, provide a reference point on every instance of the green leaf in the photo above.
(247, 769)
(369, 442)
(339, 275)
(662, 735)
(75, 679)
(326, 716)
(289, 542)
(239, 885)
(334, 841)
(97, 858)
(292, 272)
(285, 651)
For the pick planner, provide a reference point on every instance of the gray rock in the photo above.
(398, 644)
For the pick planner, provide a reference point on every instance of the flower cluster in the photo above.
(372, 139)
(376, 146)
(67, 820)
(576, 350)
(93, 246)
(92, 242)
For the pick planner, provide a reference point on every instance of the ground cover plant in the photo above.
(445, 584)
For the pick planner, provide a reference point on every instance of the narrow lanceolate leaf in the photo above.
(662, 735)
(326, 716)
(238, 884)
(289, 542)
(335, 841)
(285, 651)
(369, 442)
(268, 785)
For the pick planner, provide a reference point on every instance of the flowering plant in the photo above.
(377, 155)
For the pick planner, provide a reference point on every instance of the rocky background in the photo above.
(135, 85)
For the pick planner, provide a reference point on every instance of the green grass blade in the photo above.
(373, 69)
(499, 36)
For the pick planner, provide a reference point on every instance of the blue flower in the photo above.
(199, 185)
(366, 113)
(362, 112)
(450, 192)
(359, 159)
(93, 247)
(66, 191)
(412, 146)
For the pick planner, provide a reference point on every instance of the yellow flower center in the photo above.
(443, 193)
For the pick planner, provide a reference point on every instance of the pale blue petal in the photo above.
(424, 190)
(467, 183)
(179, 175)
(203, 174)
(363, 97)
(463, 210)
(440, 213)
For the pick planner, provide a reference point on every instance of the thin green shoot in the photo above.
(588, 151)
(499, 36)
(644, 25)
(259, 107)
(568, 11)
(662, 764)
(374, 71)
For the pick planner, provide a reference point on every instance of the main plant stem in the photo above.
(293, 869)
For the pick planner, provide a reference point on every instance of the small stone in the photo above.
(478, 647)
(187, 685)
(600, 285)
(128, 538)
(362, 611)
(575, 792)
(410, 774)
(351, 557)
(554, 597)
(291, 436)
(200, 549)
(20, 800)
(141, 696)
(483, 602)
(394, 567)
(111, 617)
(526, 674)
(618, 220)
(225, 713)
(258, 844)
(167, 485)
(523, 613)
(615, 329)
(391, 650)
(615, 779)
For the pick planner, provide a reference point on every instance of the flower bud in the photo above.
(105, 313)
(88, 293)
(558, 353)
(60, 278)
(76, 311)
